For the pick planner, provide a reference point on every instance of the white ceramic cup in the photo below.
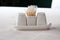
(21, 20)
(31, 20)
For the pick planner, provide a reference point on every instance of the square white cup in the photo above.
(41, 19)
(22, 20)
(31, 20)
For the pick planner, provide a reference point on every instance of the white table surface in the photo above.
(12, 34)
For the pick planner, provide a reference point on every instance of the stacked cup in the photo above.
(31, 15)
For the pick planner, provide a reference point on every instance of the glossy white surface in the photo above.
(11, 34)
